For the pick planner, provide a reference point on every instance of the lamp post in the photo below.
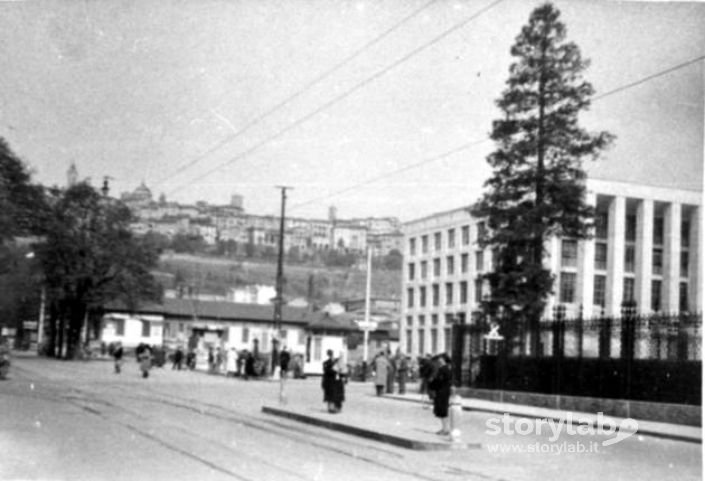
(279, 300)
(42, 305)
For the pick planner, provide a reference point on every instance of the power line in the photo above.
(646, 79)
(394, 172)
(301, 91)
(345, 94)
(477, 142)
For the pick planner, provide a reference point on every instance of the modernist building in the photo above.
(647, 248)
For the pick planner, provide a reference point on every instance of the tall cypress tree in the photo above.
(537, 189)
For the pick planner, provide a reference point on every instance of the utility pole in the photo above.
(366, 337)
(279, 299)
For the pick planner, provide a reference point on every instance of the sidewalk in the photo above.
(399, 420)
(383, 419)
(676, 432)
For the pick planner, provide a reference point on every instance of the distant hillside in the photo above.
(214, 275)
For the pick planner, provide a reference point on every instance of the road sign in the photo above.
(367, 326)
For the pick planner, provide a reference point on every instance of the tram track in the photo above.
(86, 400)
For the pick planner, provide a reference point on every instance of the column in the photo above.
(553, 264)
(586, 267)
(644, 252)
(671, 256)
(695, 269)
(615, 255)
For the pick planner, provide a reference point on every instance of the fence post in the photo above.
(628, 312)
(581, 332)
(558, 333)
(682, 340)
(605, 339)
(458, 331)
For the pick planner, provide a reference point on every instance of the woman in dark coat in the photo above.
(333, 383)
(441, 385)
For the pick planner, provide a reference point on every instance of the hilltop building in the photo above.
(230, 223)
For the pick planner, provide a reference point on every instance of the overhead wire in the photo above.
(306, 87)
(345, 94)
(478, 142)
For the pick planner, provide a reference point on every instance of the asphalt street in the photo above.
(78, 420)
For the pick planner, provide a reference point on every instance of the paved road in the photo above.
(78, 420)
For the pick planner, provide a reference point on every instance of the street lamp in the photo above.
(42, 303)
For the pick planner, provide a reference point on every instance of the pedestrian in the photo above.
(191, 360)
(333, 382)
(231, 362)
(211, 360)
(427, 369)
(391, 372)
(117, 355)
(178, 359)
(219, 360)
(402, 372)
(381, 364)
(441, 385)
(249, 365)
(284, 359)
(145, 360)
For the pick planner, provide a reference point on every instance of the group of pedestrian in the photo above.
(388, 369)
(143, 353)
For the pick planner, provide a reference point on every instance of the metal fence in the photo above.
(653, 358)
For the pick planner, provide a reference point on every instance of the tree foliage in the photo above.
(90, 257)
(22, 203)
(537, 189)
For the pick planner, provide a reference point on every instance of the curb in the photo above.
(369, 433)
(644, 432)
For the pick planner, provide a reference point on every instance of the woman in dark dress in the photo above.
(441, 384)
(333, 383)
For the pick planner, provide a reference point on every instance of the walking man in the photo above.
(402, 371)
(284, 359)
(117, 355)
(381, 372)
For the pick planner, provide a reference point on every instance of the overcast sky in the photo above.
(141, 90)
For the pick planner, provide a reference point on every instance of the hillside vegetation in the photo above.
(214, 275)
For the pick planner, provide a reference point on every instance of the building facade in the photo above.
(646, 249)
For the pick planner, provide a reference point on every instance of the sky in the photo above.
(381, 108)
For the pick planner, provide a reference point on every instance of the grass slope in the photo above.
(214, 275)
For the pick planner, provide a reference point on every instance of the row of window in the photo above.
(449, 263)
(630, 229)
(449, 291)
(450, 239)
(568, 281)
(120, 327)
(569, 257)
(433, 346)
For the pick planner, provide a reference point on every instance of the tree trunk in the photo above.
(77, 316)
(60, 339)
(50, 345)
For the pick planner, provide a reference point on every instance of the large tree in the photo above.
(537, 189)
(21, 201)
(22, 207)
(90, 257)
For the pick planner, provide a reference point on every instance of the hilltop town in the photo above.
(250, 233)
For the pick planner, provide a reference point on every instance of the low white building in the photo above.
(132, 330)
(199, 325)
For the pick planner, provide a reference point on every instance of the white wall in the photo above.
(132, 333)
(319, 345)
